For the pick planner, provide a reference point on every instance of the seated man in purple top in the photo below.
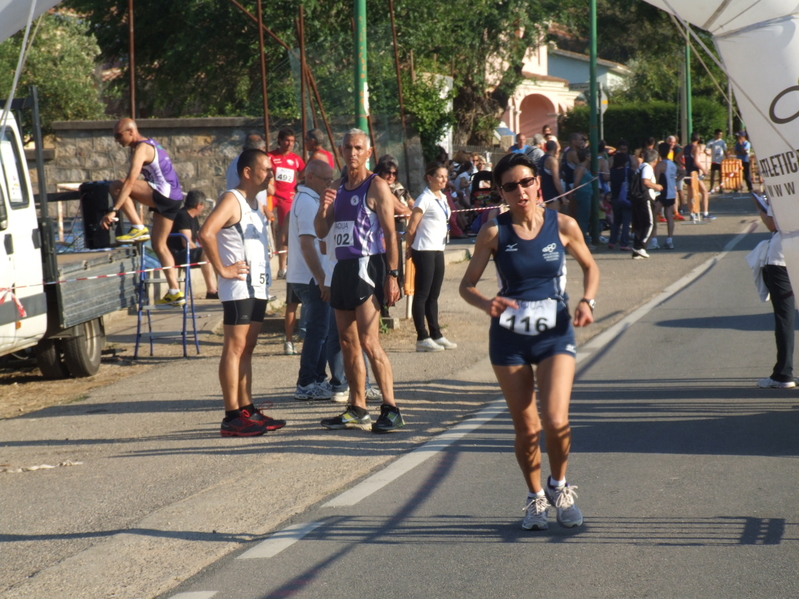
(160, 191)
(358, 214)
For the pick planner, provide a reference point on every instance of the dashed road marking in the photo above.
(280, 540)
(409, 461)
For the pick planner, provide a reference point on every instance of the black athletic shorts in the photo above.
(243, 311)
(195, 255)
(165, 206)
(667, 203)
(715, 166)
(356, 280)
(291, 295)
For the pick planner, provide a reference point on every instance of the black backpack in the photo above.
(636, 192)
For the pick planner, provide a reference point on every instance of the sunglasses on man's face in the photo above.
(512, 185)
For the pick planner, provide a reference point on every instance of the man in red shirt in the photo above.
(314, 141)
(288, 168)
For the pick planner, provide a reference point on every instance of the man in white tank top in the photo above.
(234, 239)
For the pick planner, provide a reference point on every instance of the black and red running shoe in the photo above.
(243, 426)
(272, 424)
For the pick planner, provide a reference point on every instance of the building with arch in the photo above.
(554, 83)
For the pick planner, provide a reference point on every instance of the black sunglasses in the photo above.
(509, 187)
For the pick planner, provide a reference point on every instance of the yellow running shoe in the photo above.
(135, 236)
(169, 300)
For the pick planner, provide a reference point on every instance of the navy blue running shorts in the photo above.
(506, 348)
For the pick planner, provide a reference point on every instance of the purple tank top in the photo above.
(160, 174)
(356, 228)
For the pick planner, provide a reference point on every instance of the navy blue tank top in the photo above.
(548, 189)
(531, 269)
(690, 165)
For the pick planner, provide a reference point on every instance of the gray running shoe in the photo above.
(313, 392)
(569, 515)
(348, 419)
(536, 516)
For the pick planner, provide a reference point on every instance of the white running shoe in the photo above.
(653, 245)
(288, 349)
(446, 343)
(373, 395)
(569, 515)
(638, 254)
(536, 516)
(341, 396)
(770, 383)
(428, 345)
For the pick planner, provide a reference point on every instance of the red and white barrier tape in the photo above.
(7, 292)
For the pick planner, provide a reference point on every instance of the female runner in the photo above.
(531, 325)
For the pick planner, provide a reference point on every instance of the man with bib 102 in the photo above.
(358, 214)
(531, 325)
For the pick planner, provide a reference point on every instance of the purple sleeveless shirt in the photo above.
(160, 174)
(356, 228)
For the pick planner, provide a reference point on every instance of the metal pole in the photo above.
(263, 72)
(304, 119)
(399, 91)
(361, 81)
(308, 71)
(594, 138)
(131, 61)
(600, 116)
(688, 92)
(731, 108)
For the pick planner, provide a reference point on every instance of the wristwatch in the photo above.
(591, 303)
(393, 273)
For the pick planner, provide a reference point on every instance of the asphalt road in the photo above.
(159, 497)
(686, 473)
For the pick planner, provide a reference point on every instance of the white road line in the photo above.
(195, 595)
(409, 461)
(280, 540)
(610, 334)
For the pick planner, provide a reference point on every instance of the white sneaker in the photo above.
(288, 348)
(428, 345)
(312, 392)
(373, 395)
(569, 515)
(446, 343)
(341, 396)
(639, 254)
(653, 245)
(536, 516)
(770, 383)
(281, 274)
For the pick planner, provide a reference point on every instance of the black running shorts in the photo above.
(165, 206)
(356, 280)
(243, 311)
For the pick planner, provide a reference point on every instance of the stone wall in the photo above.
(201, 150)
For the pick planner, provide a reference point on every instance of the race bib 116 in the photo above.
(530, 318)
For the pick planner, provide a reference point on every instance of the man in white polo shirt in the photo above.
(306, 273)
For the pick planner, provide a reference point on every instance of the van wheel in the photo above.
(50, 360)
(82, 353)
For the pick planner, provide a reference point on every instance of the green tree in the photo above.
(61, 63)
(209, 63)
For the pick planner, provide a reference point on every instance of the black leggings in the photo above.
(429, 277)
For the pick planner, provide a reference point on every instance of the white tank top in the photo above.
(246, 240)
